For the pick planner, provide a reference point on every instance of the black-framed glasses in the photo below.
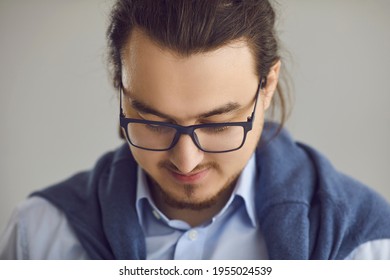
(210, 137)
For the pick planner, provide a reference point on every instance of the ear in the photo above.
(272, 81)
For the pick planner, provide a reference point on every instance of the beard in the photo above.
(189, 202)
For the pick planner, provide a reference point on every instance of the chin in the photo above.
(194, 197)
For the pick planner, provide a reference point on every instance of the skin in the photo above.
(186, 183)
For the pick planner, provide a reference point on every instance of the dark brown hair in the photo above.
(194, 26)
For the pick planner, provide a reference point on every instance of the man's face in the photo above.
(186, 91)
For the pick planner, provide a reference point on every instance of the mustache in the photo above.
(170, 166)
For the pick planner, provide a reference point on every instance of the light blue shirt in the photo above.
(232, 234)
(38, 230)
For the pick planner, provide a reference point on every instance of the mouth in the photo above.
(189, 178)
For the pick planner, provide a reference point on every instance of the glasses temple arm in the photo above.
(262, 83)
(121, 114)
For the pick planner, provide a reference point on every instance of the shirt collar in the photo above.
(245, 188)
(144, 200)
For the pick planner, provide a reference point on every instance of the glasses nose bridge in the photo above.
(186, 130)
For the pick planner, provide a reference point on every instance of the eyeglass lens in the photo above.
(159, 137)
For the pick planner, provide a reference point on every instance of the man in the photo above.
(202, 176)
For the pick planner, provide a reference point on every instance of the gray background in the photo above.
(58, 112)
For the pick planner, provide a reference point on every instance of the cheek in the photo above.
(253, 136)
(232, 163)
(148, 160)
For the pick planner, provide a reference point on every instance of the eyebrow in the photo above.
(224, 109)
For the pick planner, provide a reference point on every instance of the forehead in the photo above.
(187, 84)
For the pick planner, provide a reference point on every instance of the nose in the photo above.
(186, 155)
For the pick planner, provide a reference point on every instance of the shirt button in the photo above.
(192, 235)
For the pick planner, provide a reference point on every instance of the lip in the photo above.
(191, 178)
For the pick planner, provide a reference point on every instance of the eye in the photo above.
(158, 128)
(216, 129)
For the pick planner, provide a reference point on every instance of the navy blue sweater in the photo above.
(305, 208)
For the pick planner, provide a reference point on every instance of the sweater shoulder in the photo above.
(80, 186)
